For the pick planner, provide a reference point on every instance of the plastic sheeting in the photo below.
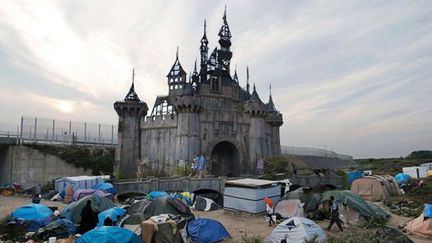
(81, 193)
(105, 234)
(296, 229)
(427, 211)
(112, 213)
(203, 230)
(32, 212)
(108, 187)
(73, 210)
(402, 178)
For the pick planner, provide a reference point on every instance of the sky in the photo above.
(350, 76)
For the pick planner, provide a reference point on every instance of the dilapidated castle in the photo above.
(208, 113)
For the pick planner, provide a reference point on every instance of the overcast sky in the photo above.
(352, 76)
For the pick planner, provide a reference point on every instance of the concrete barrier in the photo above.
(313, 180)
(171, 184)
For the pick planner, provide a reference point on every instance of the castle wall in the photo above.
(256, 140)
(127, 147)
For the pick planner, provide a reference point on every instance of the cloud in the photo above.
(351, 75)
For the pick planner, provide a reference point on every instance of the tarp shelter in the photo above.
(166, 206)
(157, 194)
(402, 178)
(297, 229)
(32, 212)
(420, 226)
(205, 204)
(105, 186)
(354, 175)
(353, 208)
(109, 234)
(375, 188)
(73, 210)
(112, 213)
(59, 228)
(79, 182)
(203, 230)
(163, 228)
(289, 208)
(81, 193)
(415, 172)
(247, 195)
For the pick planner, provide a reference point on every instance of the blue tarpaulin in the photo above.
(402, 178)
(32, 212)
(156, 194)
(111, 234)
(427, 211)
(108, 187)
(353, 175)
(112, 213)
(203, 230)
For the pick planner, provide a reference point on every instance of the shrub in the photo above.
(275, 165)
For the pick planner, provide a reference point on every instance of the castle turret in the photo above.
(257, 112)
(224, 54)
(130, 111)
(204, 55)
(275, 120)
(176, 77)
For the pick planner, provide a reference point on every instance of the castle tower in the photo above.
(274, 119)
(130, 112)
(176, 77)
(204, 55)
(257, 112)
(224, 54)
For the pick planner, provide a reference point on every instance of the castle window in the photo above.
(215, 85)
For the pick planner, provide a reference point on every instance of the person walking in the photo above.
(89, 218)
(259, 165)
(269, 210)
(334, 214)
(202, 165)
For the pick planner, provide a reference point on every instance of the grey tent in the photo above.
(205, 204)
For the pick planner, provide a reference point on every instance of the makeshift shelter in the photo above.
(166, 206)
(59, 228)
(354, 209)
(79, 182)
(157, 194)
(185, 197)
(415, 172)
(216, 196)
(402, 178)
(81, 193)
(109, 234)
(248, 195)
(138, 206)
(73, 210)
(420, 226)
(164, 228)
(295, 194)
(105, 186)
(296, 229)
(375, 188)
(112, 213)
(205, 230)
(289, 208)
(354, 175)
(205, 204)
(32, 212)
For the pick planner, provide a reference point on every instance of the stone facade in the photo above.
(208, 114)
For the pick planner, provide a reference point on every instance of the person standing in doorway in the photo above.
(259, 165)
(334, 214)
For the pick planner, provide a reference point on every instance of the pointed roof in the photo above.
(132, 95)
(255, 97)
(247, 79)
(195, 72)
(270, 105)
(235, 78)
(176, 69)
(225, 32)
(204, 38)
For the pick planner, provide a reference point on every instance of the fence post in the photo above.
(99, 133)
(21, 130)
(70, 130)
(17, 136)
(53, 130)
(85, 133)
(35, 128)
(112, 134)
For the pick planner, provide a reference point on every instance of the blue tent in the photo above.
(157, 194)
(112, 213)
(108, 187)
(109, 234)
(353, 175)
(402, 178)
(32, 212)
(203, 230)
(427, 211)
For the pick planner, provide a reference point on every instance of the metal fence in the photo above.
(40, 130)
(317, 152)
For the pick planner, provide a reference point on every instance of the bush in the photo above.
(275, 165)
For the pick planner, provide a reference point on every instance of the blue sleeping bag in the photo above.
(203, 230)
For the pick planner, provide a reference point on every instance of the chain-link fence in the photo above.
(305, 151)
(40, 130)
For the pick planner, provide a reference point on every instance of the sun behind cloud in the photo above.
(65, 106)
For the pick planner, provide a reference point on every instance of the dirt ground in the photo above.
(237, 224)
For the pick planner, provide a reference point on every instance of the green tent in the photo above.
(167, 205)
(355, 202)
(73, 210)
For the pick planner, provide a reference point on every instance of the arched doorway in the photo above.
(225, 160)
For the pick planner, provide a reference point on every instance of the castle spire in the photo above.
(255, 97)
(235, 75)
(270, 105)
(132, 95)
(224, 32)
(247, 79)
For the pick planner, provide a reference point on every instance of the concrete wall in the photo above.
(30, 167)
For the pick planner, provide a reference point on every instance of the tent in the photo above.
(105, 186)
(205, 204)
(73, 210)
(289, 208)
(353, 208)
(80, 193)
(216, 196)
(296, 229)
(32, 212)
(59, 228)
(402, 178)
(354, 175)
(203, 230)
(295, 194)
(157, 194)
(112, 213)
(138, 206)
(168, 229)
(185, 197)
(79, 182)
(248, 195)
(420, 226)
(164, 206)
(105, 234)
(375, 188)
